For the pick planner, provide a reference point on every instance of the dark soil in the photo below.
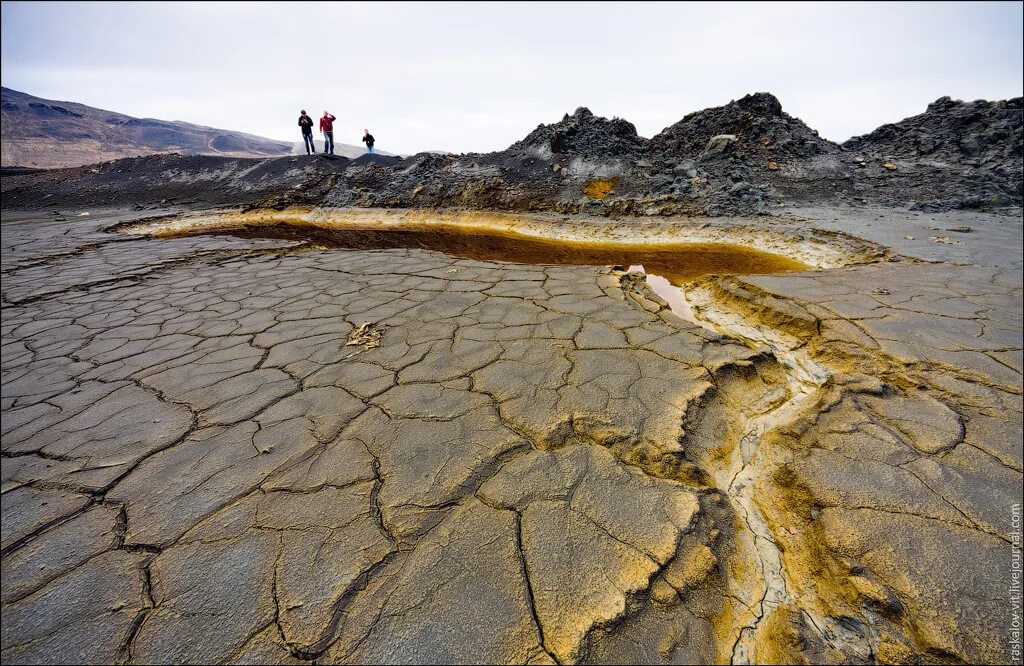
(745, 157)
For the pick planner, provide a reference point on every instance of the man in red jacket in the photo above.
(327, 127)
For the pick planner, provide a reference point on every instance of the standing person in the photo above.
(327, 127)
(306, 123)
(368, 140)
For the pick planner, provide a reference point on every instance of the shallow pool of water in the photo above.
(676, 262)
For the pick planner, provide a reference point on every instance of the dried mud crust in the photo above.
(226, 450)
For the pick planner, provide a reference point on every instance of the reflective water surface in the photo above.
(676, 262)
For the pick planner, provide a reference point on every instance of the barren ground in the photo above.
(422, 410)
(207, 457)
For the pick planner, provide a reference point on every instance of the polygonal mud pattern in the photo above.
(533, 465)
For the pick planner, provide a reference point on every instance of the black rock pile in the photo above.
(759, 128)
(745, 157)
(583, 134)
(976, 133)
(954, 155)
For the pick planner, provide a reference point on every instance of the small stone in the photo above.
(719, 143)
(687, 167)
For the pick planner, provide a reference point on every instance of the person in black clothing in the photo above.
(306, 123)
(368, 140)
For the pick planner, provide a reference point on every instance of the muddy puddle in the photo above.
(675, 262)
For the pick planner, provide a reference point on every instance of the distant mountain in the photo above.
(39, 132)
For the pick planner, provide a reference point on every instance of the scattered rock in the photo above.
(718, 144)
(746, 140)
(687, 168)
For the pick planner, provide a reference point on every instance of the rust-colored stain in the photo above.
(599, 188)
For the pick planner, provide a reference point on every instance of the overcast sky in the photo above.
(476, 77)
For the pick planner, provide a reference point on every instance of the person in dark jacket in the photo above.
(306, 123)
(327, 127)
(368, 140)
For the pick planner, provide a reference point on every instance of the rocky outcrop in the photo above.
(582, 134)
(746, 157)
(977, 133)
(762, 131)
(973, 149)
(162, 180)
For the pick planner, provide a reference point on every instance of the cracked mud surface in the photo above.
(207, 457)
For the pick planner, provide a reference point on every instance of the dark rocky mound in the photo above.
(954, 155)
(746, 157)
(374, 158)
(762, 130)
(742, 157)
(171, 179)
(978, 132)
(583, 134)
(548, 170)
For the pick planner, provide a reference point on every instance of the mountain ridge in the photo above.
(745, 157)
(43, 133)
